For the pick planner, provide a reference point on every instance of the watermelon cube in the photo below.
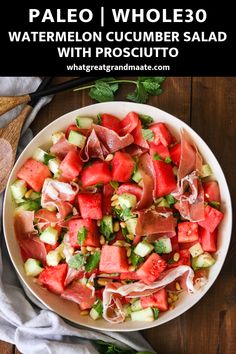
(90, 205)
(91, 237)
(151, 268)
(113, 260)
(34, 173)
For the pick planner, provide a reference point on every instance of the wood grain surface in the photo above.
(209, 105)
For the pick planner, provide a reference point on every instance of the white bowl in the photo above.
(69, 310)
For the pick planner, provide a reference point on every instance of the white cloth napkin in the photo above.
(24, 321)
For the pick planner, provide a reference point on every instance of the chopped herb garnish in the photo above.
(124, 214)
(124, 231)
(171, 261)
(114, 184)
(155, 313)
(99, 119)
(98, 185)
(92, 262)
(170, 199)
(77, 261)
(68, 216)
(215, 204)
(145, 120)
(159, 247)
(82, 233)
(47, 157)
(156, 157)
(135, 259)
(148, 134)
(168, 159)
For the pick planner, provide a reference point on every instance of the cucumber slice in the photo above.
(53, 258)
(83, 122)
(137, 176)
(127, 310)
(32, 267)
(145, 315)
(131, 225)
(57, 136)
(196, 250)
(136, 305)
(163, 245)
(205, 171)
(77, 139)
(143, 249)
(35, 195)
(39, 155)
(96, 311)
(49, 235)
(127, 200)
(54, 165)
(18, 189)
(205, 260)
(94, 314)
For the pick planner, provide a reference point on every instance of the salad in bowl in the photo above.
(118, 215)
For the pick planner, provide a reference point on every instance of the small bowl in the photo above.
(69, 310)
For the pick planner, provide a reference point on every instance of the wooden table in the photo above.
(209, 106)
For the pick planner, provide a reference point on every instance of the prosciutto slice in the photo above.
(190, 159)
(140, 289)
(134, 150)
(111, 140)
(154, 221)
(24, 224)
(146, 171)
(33, 248)
(190, 203)
(56, 194)
(93, 148)
(81, 294)
(62, 147)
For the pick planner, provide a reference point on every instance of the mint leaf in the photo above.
(139, 95)
(77, 261)
(103, 90)
(145, 120)
(148, 134)
(81, 236)
(152, 85)
(92, 261)
(110, 348)
(156, 157)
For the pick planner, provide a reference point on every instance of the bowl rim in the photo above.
(134, 107)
